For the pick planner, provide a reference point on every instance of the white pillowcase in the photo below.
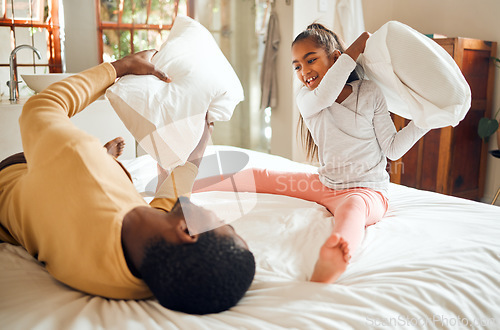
(418, 78)
(167, 119)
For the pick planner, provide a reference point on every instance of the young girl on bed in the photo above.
(345, 124)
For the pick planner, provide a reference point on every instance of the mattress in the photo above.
(432, 262)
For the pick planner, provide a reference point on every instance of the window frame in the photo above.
(131, 27)
(53, 29)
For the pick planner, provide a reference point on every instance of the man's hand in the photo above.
(139, 64)
(198, 152)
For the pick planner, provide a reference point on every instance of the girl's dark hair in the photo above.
(329, 41)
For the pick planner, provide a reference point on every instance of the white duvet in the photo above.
(432, 262)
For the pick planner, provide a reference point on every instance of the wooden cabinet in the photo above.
(452, 160)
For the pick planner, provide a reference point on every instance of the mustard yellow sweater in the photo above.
(66, 205)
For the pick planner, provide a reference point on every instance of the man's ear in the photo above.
(182, 232)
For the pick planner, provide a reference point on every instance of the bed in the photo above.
(432, 262)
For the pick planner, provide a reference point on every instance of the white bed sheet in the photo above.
(432, 262)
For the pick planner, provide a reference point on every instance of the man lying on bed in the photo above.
(74, 208)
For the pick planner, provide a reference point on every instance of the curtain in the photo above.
(350, 13)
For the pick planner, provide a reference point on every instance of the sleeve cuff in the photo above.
(349, 61)
(111, 70)
(179, 183)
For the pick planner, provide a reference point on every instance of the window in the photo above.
(32, 22)
(128, 26)
(239, 28)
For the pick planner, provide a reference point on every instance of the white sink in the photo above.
(38, 82)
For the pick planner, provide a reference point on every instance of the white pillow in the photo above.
(167, 119)
(418, 78)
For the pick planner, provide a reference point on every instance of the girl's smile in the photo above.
(310, 62)
(310, 81)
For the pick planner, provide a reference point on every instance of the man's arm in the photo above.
(45, 116)
(180, 181)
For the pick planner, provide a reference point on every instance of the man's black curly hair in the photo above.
(208, 276)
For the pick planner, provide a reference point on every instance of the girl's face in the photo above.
(310, 62)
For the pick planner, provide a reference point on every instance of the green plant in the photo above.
(488, 126)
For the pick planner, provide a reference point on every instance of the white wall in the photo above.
(452, 18)
(293, 19)
(81, 35)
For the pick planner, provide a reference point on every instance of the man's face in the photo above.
(145, 223)
(199, 220)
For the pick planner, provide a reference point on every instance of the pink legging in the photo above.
(354, 209)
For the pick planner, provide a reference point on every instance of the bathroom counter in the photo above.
(98, 119)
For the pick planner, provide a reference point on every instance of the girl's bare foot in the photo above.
(333, 259)
(115, 147)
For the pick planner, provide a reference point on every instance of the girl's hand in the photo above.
(358, 46)
(139, 64)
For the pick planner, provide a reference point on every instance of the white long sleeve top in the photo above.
(355, 137)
